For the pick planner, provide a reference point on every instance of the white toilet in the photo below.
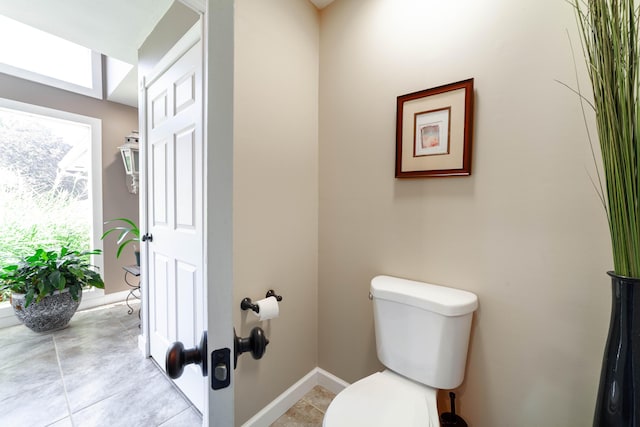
(422, 336)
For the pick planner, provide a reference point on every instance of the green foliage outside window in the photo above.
(40, 207)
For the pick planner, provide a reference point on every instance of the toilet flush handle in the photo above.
(370, 296)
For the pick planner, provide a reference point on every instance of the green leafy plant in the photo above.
(609, 31)
(129, 233)
(45, 272)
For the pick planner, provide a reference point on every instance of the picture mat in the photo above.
(454, 160)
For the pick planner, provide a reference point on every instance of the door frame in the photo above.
(218, 199)
(217, 20)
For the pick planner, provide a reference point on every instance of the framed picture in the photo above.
(434, 129)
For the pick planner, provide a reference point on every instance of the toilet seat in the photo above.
(381, 400)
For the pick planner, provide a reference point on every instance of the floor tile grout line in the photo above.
(313, 406)
(188, 408)
(88, 405)
(64, 385)
(309, 400)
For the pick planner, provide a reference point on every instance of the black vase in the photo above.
(618, 401)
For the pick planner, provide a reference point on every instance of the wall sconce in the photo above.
(130, 157)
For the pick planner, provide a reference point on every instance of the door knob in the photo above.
(177, 357)
(256, 343)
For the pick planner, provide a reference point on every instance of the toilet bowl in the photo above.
(384, 399)
(422, 336)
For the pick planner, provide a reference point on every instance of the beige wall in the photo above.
(275, 191)
(117, 122)
(525, 232)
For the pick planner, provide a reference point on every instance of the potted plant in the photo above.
(129, 234)
(46, 287)
(609, 32)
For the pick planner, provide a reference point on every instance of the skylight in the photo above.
(42, 57)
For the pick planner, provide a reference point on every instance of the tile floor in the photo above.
(92, 374)
(308, 411)
(88, 374)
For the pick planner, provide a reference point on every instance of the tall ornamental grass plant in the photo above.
(609, 33)
(32, 219)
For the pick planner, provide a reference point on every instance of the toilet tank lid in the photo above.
(439, 299)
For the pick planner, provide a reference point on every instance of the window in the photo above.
(50, 180)
(44, 58)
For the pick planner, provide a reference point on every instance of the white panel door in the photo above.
(175, 213)
(186, 112)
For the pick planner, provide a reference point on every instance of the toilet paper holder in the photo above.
(247, 304)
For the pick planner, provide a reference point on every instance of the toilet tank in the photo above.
(422, 330)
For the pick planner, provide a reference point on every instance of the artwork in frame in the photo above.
(434, 131)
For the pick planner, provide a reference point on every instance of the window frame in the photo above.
(94, 295)
(96, 91)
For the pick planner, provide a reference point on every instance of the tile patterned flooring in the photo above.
(308, 411)
(92, 374)
(88, 374)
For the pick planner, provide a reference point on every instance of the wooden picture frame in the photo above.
(434, 130)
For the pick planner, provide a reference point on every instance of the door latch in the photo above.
(220, 362)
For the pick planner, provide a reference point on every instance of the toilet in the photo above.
(422, 336)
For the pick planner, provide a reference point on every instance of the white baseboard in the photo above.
(7, 318)
(286, 400)
(331, 382)
(91, 301)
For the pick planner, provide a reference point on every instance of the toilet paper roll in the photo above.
(269, 308)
